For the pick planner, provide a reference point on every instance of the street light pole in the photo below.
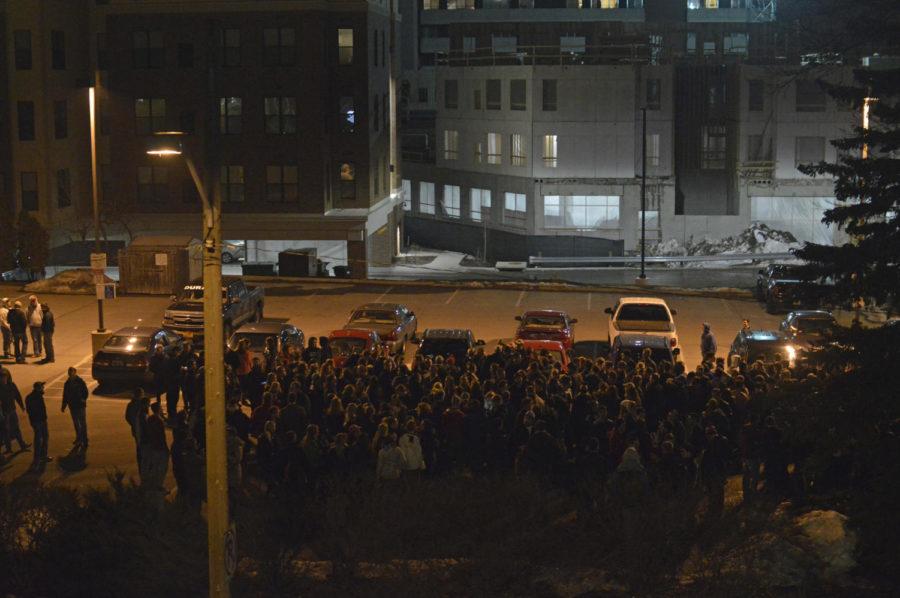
(643, 277)
(92, 105)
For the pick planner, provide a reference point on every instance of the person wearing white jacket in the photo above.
(4, 327)
(390, 460)
(412, 449)
(35, 317)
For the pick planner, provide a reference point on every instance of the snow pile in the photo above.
(79, 281)
(758, 239)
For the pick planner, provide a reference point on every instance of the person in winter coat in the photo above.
(48, 327)
(75, 395)
(411, 449)
(708, 345)
(391, 461)
(37, 417)
(136, 416)
(18, 327)
(714, 469)
(35, 316)
(4, 328)
(9, 398)
(155, 457)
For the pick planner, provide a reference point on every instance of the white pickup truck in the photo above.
(642, 315)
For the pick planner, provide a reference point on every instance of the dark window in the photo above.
(810, 97)
(187, 122)
(347, 118)
(451, 94)
(384, 110)
(375, 47)
(102, 52)
(29, 184)
(63, 189)
(383, 48)
(58, 50)
(654, 94)
(376, 114)
(279, 46)
(281, 115)
(423, 95)
(755, 95)
(185, 55)
(713, 147)
(147, 50)
(189, 193)
(282, 183)
(347, 180)
(548, 95)
(22, 41)
(232, 181)
(153, 184)
(103, 116)
(494, 95)
(149, 115)
(25, 112)
(60, 119)
(809, 150)
(231, 47)
(230, 115)
(518, 100)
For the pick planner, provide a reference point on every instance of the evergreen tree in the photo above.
(34, 243)
(867, 188)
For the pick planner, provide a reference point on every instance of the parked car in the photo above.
(233, 251)
(772, 273)
(240, 304)
(785, 289)
(446, 342)
(805, 328)
(647, 316)
(349, 341)
(555, 349)
(125, 357)
(394, 324)
(287, 335)
(634, 344)
(546, 324)
(754, 345)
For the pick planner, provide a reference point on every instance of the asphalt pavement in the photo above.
(316, 308)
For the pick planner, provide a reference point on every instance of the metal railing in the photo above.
(656, 259)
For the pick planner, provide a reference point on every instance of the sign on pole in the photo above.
(98, 267)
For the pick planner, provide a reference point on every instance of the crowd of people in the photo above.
(631, 427)
(17, 322)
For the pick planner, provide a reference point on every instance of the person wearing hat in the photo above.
(18, 326)
(48, 327)
(37, 417)
(9, 422)
(708, 346)
(4, 327)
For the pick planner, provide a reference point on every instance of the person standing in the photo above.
(155, 458)
(37, 417)
(4, 327)
(136, 416)
(35, 317)
(48, 327)
(9, 398)
(75, 395)
(708, 345)
(18, 326)
(158, 370)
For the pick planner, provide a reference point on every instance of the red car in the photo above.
(546, 325)
(348, 341)
(555, 348)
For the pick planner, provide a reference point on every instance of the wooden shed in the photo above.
(159, 265)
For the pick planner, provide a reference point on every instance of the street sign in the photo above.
(98, 261)
(230, 552)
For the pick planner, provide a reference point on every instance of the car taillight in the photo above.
(672, 342)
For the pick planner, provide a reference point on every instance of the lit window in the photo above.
(653, 149)
(551, 151)
(514, 209)
(480, 204)
(582, 212)
(712, 3)
(494, 148)
(348, 115)
(347, 180)
(230, 116)
(451, 201)
(451, 145)
(517, 150)
(426, 198)
(231, 179)
(609, 3)
(345, 46)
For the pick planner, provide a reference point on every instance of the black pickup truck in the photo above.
(240, 304)
(780, 287)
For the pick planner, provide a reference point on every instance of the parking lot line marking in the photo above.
(521, 296)
(450, 298)
(381, 296)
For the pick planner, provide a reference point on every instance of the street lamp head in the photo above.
(166, 144)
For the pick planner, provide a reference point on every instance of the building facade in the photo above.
(289, 106)
(522, 126)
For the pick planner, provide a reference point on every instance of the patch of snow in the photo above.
(758, 239)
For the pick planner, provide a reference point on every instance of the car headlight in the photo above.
(791, 352)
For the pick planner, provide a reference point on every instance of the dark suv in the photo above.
(755, 345)
(781, 287)
(447, 342)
